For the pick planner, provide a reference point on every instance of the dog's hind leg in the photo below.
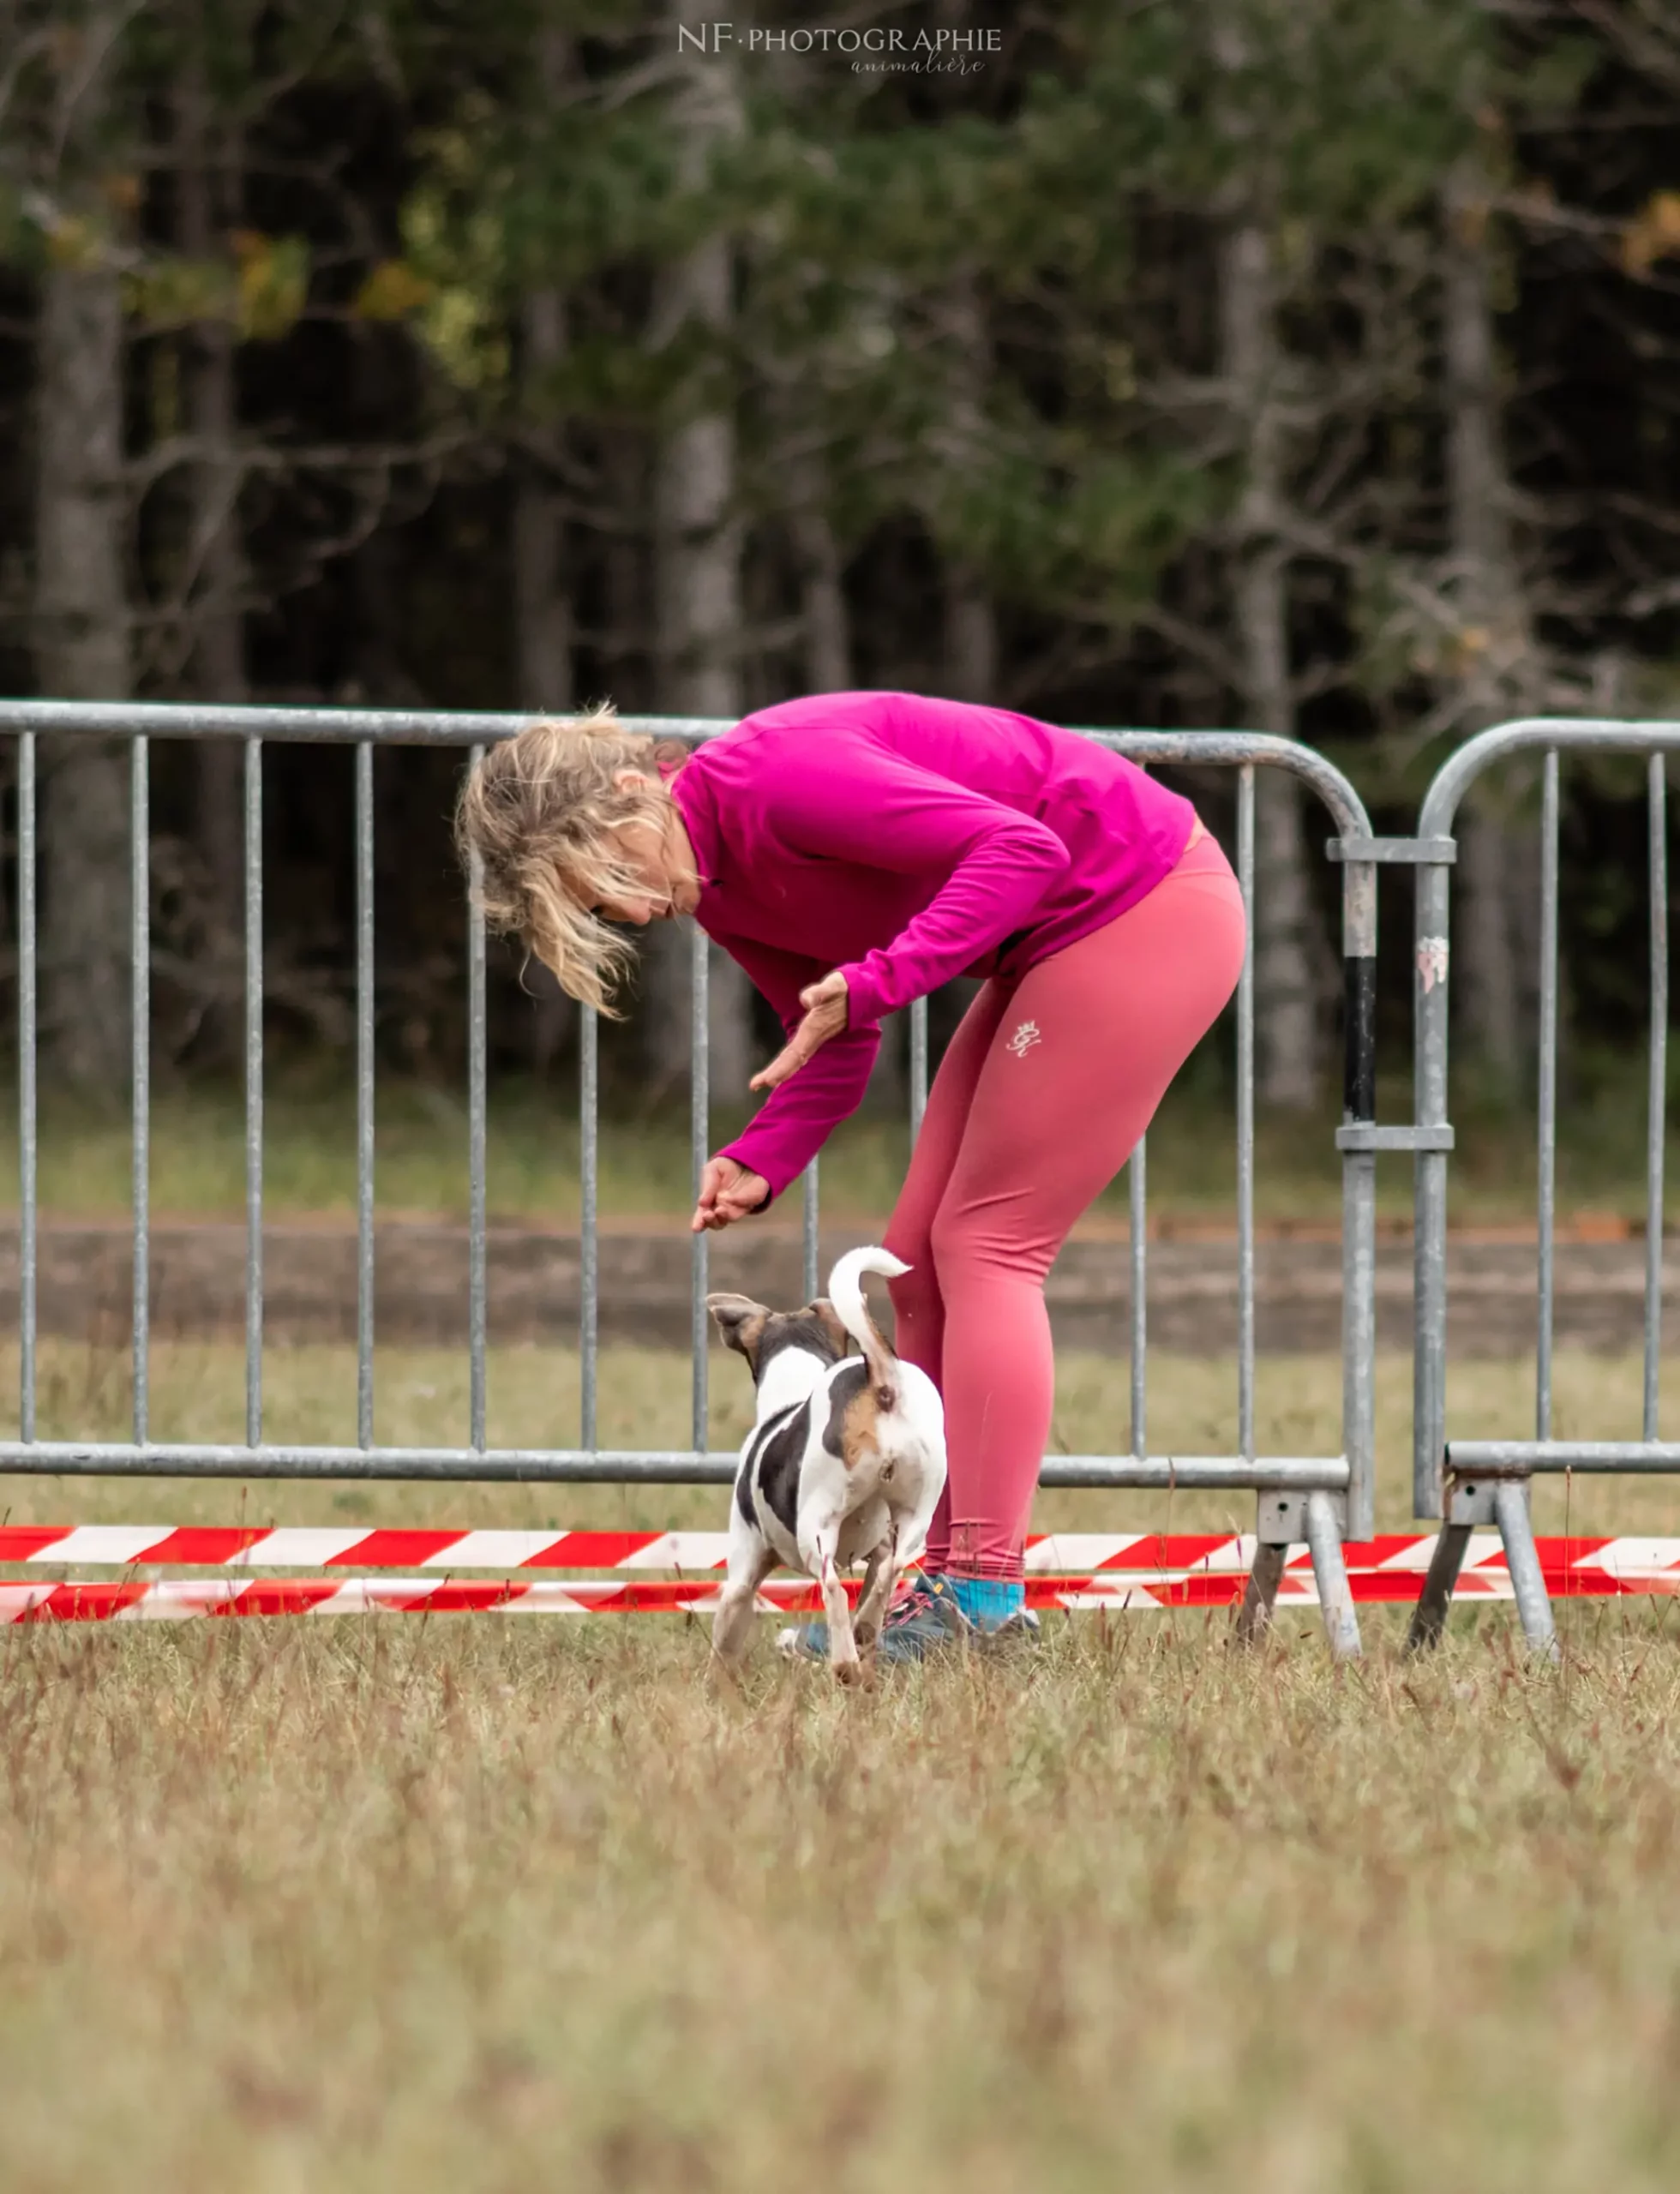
(879, 1578)
(820, 1548)
(842, 1653)
(912, 1529)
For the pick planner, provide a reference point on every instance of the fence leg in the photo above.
(1430, 1620)
(1336, 1596)
(1533, 1603)
(1254, 1617)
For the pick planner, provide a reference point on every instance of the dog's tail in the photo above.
(845, 1292)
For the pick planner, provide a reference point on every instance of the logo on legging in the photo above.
(1023, 1038)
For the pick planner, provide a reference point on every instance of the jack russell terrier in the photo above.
(846, 1460)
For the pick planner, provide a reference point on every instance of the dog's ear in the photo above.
(741, 1322)
(823, 1310)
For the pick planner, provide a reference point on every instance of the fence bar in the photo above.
(1245, 1118)
(699, 1123)
(1657, 1099)
(1329, 1480)
(364, 1093)
(1522, 1561)
(612, 1466)
(1259, 1606)
(1429, 1618)
(1511, 1463)
(467, 727)
(1137, 1170)
(589, 1246)
(810, 1243)
(253, 851)
(25, 1085)
(918, 1066)
(139, 1030)
(1359, 1194)
(1429, 1250)
(1335, 1599)
(477, 1307)
(1548, 1101)
(1636, 1457)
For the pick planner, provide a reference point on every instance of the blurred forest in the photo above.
(1306, 365)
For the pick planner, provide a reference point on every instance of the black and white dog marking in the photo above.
(846, 1461)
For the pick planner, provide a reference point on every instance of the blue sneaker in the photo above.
(923, 1618)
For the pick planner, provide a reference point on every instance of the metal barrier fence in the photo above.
(1317, 1500)
(1467, 1481)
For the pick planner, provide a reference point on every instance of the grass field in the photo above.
(498, 1905)
(478, 1902)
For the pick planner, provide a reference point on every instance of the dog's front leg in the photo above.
(750, 1563)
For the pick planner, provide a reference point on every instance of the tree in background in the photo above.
(213, 581)
(1291, 365)
(72, 147)
(1234, 417)
(1501, 672)
(1487, 600)
(697, 530)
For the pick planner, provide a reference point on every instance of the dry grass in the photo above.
(495, 1904)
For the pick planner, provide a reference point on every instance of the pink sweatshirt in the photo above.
(903, 841)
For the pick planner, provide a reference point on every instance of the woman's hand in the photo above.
(728, 1192)
(826, 1006)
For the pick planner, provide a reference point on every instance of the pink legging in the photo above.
(1042, 1097)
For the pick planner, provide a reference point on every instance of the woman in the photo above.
(852, 852)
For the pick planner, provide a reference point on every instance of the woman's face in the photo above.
(660, 855)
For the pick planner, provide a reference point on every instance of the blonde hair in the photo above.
(542, 813)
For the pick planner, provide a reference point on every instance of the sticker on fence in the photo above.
(1432, 961)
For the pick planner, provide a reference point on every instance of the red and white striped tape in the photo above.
(196, 1546)
(126, 1546)
(1068, 1570)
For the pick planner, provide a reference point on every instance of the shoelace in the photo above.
(919, 1596)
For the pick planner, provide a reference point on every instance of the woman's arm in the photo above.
(797, 1118)
(849, 798)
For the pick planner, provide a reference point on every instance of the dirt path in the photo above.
(421, 1288)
